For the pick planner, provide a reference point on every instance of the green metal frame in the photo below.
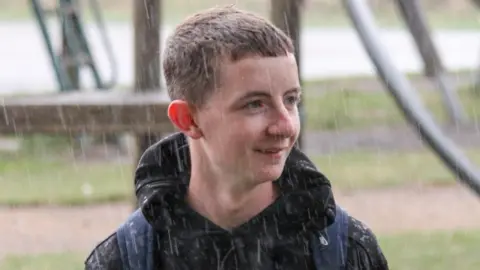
(76, 44)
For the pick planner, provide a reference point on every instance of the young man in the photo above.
(231, 191)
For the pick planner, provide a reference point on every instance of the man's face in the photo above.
(251, 122)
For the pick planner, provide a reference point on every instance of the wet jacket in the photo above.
(277, 238)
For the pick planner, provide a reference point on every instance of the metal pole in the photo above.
(68, 53)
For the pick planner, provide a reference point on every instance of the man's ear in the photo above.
(181, 116)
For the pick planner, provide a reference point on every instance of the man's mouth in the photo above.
(270, 150)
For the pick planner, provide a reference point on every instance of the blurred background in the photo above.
(63, 190)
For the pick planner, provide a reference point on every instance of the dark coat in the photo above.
(277, 238)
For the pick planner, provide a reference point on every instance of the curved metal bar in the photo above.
(416, 21)
(407, 99)
(476, 3)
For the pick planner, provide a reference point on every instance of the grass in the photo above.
(33, 180)
(55, 261)
(407, 251)
(432, 250)
(42, 179)
(348, 108)
(360, 170)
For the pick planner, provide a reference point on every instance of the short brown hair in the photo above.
(198, 45)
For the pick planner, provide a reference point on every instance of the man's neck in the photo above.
(227, 206)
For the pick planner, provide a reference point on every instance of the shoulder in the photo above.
(105, 256)
(363, 249)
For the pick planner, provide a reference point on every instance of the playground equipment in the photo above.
(416, 22)
(76, 49)
(406, 97)
(93, 113)
(145, 113)
(141, 111)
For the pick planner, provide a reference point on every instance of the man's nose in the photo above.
(283, 124)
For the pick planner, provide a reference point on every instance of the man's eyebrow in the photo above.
(256, 93)
(259, 93)
(296, 90)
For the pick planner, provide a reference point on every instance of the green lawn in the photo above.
(58, 261)
(348, 108)
(433, 250)
(42, 180)
(409, 251)
(357, 170)
(37, 179)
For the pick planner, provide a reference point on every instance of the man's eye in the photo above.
(256, 104)
(293, 100)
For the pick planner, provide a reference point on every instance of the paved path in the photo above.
(327, 52)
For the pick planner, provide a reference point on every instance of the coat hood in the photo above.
(163, 173)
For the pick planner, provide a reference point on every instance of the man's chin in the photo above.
(269, 174)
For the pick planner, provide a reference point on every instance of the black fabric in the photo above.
(277, 238)
(105, 256)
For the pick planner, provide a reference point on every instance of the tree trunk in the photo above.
(146, 19)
